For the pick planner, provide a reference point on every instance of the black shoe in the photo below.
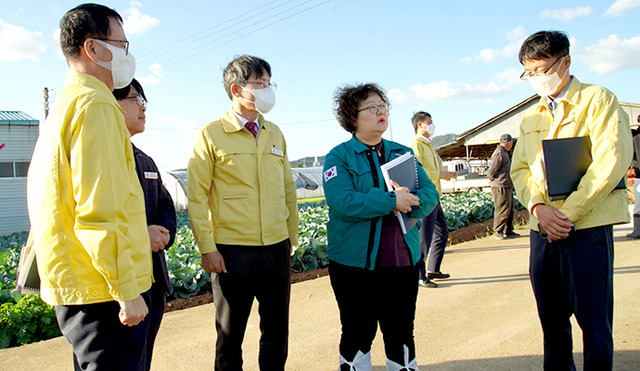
(511, 235)
(438, 275)
(427, 283)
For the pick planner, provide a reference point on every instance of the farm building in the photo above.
(308, 184)
(308, 181)
(481, 141)
(18, 135)
(176, 184)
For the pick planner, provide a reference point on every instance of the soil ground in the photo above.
(482, 318)
(464, 234)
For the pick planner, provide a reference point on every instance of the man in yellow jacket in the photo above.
(86, 205)
(434, 232)
(571, 261)
(244, 217)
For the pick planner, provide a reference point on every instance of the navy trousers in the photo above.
(156, 312)
(433, 240)
(98, 339)
(574, 276)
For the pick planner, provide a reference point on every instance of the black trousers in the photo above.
(433, 241)
(574, 276)
(386, 295)
(98, 339)
(156, 312)
(504, 209)
(263, 273)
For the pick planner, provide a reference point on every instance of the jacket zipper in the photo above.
(374, 221)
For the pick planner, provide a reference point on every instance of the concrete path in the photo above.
(483, 318)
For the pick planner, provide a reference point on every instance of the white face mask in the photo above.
(547, 84)
(431, 129)
(265, 99)
(122, 65)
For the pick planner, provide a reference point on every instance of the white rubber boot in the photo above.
(361, 362)
(408, 365)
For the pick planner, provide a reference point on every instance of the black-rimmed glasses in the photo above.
(526, 76)
(138, 99)
(126, 43)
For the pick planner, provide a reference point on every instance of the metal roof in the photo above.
(464, 145)
(17, 118)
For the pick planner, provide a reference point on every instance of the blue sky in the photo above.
(454, 59)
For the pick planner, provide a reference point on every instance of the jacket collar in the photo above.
(77, 77)
(423, 139)
(571, 96)
(231, 123)
(564, 111)
(388, 145)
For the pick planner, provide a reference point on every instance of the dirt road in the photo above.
(483, 318)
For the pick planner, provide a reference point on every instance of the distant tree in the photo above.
(439, 140)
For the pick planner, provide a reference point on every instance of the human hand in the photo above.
(448, 175)
(405, 200)
(213, 262)
(555, 223)
(132, 312)
(158, 236)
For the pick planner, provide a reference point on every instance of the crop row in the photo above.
(26, 318)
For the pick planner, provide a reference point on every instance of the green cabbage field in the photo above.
(25, 318)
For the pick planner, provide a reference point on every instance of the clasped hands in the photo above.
(405, 200)
(555, 223)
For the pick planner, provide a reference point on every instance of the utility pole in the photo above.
(46, 102)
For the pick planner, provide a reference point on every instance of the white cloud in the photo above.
(612, 54)
(156, 69)
(136, 23)
(620, 6)
(396, 95)
(55, 43)
(17, 43)
(508, 52)
(154, 78)
(148, 80)
(445, 90)
(510, 76)
(566, 14)
(515, 34)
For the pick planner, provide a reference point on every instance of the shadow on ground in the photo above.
(622, 361)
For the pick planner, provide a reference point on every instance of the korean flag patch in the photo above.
(331, 173)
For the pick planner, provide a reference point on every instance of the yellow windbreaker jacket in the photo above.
(86, 205)
(241, 191)
(427, 156)
(585, 110)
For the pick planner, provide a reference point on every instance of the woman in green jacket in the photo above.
(372, 263)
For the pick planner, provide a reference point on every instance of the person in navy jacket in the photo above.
(161, 214)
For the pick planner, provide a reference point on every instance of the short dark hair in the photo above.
(543, 45)
(346, 102)
(83, 22)
(239, 70)
(419, 116)
(122, 93)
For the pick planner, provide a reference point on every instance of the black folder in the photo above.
(566, 161)
(404, 171)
